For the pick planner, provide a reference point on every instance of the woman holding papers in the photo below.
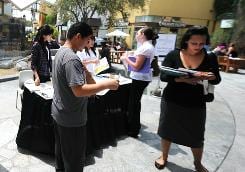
(89, 56)
(183, 107)
(141, 74)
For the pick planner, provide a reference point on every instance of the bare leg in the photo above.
(197, 154)
(162, 160)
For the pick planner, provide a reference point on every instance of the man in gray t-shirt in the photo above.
(68, 71)
(72, 85)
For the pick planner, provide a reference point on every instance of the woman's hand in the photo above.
(37, 81)
(205, 75)
(96, 61)
(124, 56)
(188, 80)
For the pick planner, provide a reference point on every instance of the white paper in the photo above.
(45, 90)
(101, 66)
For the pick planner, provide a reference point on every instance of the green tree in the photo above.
(221, 36)
(225, 7)
(51, 18)
(239, 28)
(82, 10)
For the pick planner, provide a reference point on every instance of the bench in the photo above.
(226, 63)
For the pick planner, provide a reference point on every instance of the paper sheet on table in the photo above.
(103, 92)
(45, 90)
(101, 66)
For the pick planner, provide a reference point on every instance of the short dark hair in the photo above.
(83, 28)
(195, 30)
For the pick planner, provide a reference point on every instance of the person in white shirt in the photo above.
(89, 56)
(141, 75)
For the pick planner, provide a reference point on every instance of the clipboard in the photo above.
(173, 72)
(145, 67)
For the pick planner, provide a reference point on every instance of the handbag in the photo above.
(208, 90)
(155, 67)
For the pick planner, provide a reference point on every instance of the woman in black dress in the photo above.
(183, 105)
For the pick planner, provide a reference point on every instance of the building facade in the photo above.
(12, 30)
(171, 16)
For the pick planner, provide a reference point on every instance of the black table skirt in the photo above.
(107, 120)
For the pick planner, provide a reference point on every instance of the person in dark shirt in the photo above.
(232, 51)
(105, 52)
(41, 62)
(183, 104)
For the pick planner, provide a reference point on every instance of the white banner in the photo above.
(165, 44)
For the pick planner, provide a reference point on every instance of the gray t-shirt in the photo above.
(67, 109)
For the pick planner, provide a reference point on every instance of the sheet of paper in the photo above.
(101, 66)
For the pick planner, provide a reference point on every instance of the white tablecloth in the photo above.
(46, 91)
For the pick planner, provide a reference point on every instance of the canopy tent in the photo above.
(117, 33)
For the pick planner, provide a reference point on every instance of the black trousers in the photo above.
(134, 106)
(43, 78)
(70, 148)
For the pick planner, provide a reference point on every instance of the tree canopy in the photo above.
(222, 7)
(82, 10)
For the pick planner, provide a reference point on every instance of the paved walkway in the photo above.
(224, 145)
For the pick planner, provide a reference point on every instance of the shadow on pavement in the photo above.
(48, 159)
(176, 168)
(146, 136)
(2, 169)
(90, 156)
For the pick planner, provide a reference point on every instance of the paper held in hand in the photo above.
(177, 72)
(101, 66)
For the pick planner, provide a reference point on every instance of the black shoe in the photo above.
(133, 135)
(160, 166)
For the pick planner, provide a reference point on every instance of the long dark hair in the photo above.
(195, 30)
(92, 48)
(44, 30)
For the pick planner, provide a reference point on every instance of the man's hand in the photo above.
(111, 84)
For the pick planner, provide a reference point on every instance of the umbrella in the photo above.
(117, 33)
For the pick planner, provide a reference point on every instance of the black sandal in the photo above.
(160, 166)
(199, 167)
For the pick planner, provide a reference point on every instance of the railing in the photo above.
(115, 56)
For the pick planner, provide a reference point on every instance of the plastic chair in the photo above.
(23, 76)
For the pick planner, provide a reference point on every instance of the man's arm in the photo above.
(92, 89)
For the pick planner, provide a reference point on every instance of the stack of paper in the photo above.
(177, 72)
